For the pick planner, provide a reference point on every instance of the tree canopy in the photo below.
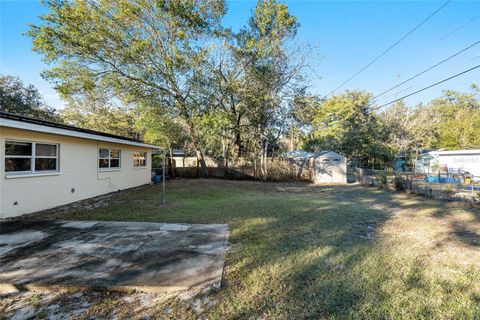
(16, 97)
(170, 70)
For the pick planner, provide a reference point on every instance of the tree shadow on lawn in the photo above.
(296, 266)
(333, 263)
(319, 252)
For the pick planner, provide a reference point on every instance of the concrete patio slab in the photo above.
(115, 255)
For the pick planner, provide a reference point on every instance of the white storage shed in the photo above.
(330, 167)
(327, 166)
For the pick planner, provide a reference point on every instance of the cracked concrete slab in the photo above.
(117, 255)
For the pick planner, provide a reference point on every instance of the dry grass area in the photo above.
(296, 251)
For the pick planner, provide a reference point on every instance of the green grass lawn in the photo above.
(300, 251)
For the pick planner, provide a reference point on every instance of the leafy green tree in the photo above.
(140, 51)
(17, 98)
(160, 128)
(450, 121)
(458, 122)
(95, 111)
(346, 124)
(250, 73)
(272, 75)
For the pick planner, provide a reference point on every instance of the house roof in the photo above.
(21, 122)
(458, 152)
(445, 152)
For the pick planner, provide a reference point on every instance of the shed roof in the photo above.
(302, 154)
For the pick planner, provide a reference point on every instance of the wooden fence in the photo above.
(220, 173)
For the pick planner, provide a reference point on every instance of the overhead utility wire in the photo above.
(395, 94)
(426, 70)
(438, 41)
(430, 86)
(391, 47)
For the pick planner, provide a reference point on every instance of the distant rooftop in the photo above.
(304, 154)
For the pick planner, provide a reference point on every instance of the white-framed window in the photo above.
(31, 157)
(108, 158)
(139, 159)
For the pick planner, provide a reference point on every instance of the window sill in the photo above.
(110, 170)
(28, 175)
(139, 168)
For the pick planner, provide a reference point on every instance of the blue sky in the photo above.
(348, 35)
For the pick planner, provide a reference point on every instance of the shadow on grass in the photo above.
(302, 251)
(331, 264)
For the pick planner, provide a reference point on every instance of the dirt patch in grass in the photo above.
(302, 251)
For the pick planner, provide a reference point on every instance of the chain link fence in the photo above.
(441, 186)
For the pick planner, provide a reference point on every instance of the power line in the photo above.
(426, 70)
(438, 41)
(396, 93)
(430, 86)
(391, 47)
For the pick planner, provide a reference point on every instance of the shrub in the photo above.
(279, 170)
(399, 183)
(448, 191)
(381, 177)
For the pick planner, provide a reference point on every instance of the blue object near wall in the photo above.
(157, 178)
(438, 179)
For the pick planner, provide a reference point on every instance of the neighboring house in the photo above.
(451, 162)
(45, 164)
(178, 158)
(328, 166)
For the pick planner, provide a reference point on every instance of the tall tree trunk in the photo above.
(203, 165)
(171, 162)
(255, 161)
(237, 144)
(198, 151)
(265, 160)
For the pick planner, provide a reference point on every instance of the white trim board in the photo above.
(70, 133)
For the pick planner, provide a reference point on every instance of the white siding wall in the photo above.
(78, 170)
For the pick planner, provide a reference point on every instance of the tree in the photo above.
(303, 108)
(17, 98)
(450, 121)
(139, 51)
(160, 128)
(396, 128)
(458, 126)
(95, 111)
(251, 73)
(346, 124)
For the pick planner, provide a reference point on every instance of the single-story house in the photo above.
(328, 166)
(45, 164)
(449, 162)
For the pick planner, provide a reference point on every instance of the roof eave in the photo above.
(70, 133)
